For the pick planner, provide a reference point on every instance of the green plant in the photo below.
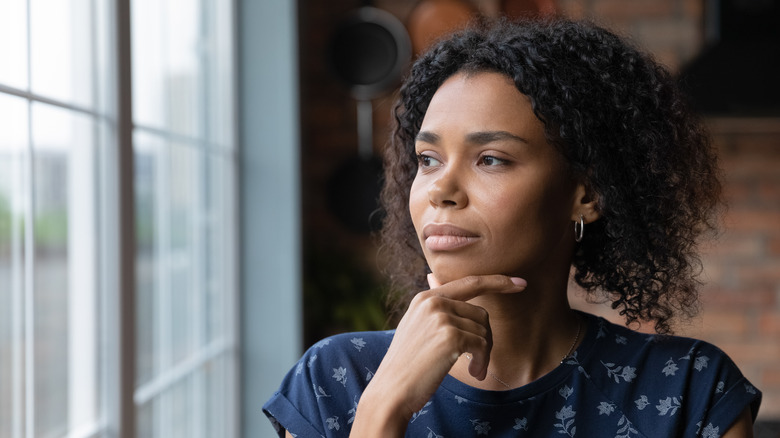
(340, 295)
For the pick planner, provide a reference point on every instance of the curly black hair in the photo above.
(622, 124)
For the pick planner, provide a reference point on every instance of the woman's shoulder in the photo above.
(656, 375)
(352, 350)
(327, 381)
(621, 341)
(353, 341)
(620, 355)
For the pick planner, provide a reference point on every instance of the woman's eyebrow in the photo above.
(427, 137)
(480, 138)
(485, 137)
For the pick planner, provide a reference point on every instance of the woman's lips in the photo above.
(446, 237)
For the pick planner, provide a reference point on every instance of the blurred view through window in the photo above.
(58, 219)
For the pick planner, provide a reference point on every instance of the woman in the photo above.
(523, 151)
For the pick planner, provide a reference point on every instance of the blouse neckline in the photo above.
(549, 381)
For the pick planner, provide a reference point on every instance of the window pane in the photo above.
(61, 47)
(13, 44)
(168, 83)
(146, 181)
(185, 219)
(219, 72)
(218, 408)
(13, 143)
(64, 304)
(171, 414)
(181, 307)
(218, 251)
(167, 212)
(146, 419)
(177, 404)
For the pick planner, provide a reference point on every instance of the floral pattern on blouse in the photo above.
(617, 383)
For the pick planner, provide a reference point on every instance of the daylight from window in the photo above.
(58, 218)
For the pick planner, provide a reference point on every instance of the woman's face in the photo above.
(491, 196)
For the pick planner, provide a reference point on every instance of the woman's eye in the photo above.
(489, 160)
(427, 161)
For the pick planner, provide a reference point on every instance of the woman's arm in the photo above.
(743, 427)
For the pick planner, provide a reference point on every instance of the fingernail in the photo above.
(519, 281)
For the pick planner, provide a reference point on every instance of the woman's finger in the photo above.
(452, 326)
(433, 282)
(470, 287)
(478, 348)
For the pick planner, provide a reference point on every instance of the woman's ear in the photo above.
(585, 204)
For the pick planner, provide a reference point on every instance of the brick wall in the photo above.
(741, 300)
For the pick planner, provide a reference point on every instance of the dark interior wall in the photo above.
(342, 282)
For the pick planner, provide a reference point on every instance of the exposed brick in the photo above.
(753, 221)
(633, 9)
(765, 351)
(722, 324)
(770, 405)
(574, 9)
(770, 377)
(713, 273)
(665, 33)
(769, 323)
(693, 9)
(663, 39)
(738, 300)
(667, 57)
(734, 246)
(773, 246)
(764, 273)
(769, 191)
(763, 145)
(737, 192)
(749, 168)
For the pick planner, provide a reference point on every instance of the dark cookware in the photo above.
(369, 51)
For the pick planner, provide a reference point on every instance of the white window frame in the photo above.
(107, 334)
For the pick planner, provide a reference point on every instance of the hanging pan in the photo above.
(368, 52)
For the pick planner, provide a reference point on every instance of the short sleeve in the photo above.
(669, 385)
(294, 406)
(319, 396)
(719, 392)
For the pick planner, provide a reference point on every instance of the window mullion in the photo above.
(19, 183)
(29, 221)
(163, 319)
(29, 277)
(199, 275)
(125, 310)
(201, 272)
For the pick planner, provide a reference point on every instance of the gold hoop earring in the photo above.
(579, 229)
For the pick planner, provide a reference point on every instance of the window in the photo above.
(184, 168)
(59, 225)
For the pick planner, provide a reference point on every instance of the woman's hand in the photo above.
(437, 328)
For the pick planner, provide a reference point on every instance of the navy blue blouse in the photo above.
(617, 383)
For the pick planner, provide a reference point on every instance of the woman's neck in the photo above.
(532, 332)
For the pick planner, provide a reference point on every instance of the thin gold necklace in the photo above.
(565, 356)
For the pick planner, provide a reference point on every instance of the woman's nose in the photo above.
(447, 190)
